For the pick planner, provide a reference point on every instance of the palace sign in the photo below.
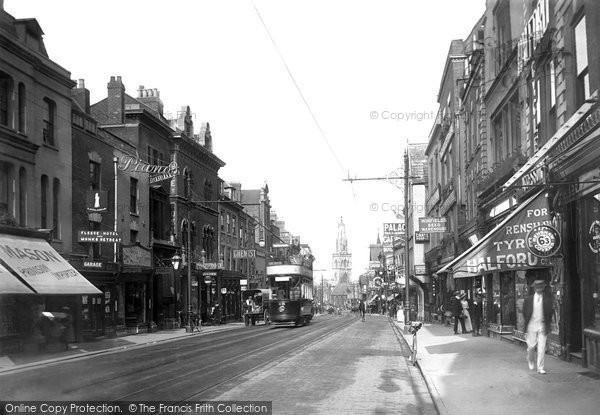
(397, 228)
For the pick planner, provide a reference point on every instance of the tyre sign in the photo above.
(543, 241)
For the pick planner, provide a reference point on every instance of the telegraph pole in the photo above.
(406, 264)
(406, 178)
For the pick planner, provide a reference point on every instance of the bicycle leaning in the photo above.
(413, 329)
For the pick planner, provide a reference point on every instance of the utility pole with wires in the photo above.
(406, 178)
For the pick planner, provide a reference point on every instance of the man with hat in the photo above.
(537, 311)
(456, 309)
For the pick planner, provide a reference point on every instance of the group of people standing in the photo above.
(537, 313)
(468, 313)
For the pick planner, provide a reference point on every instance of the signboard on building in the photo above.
(156, 173)
(209, 265)
(244, 253)
(420, 270)
(396, 228)
(138, 256)
(433, 225)
(421, 237)
(99, 237)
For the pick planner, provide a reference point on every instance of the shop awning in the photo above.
(504, 248)
(36, 263)
(9, 284)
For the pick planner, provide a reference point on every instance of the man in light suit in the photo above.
(537, 311)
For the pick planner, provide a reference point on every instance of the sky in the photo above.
(299, 94)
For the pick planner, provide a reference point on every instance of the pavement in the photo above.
(482, 375)
(19, 361)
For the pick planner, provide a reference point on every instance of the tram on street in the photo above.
(291, 294)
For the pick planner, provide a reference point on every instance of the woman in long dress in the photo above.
(466, 315)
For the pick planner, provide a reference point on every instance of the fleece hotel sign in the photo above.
(507, 246)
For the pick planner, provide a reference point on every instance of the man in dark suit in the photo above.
(477, 314)
(456, 308)
(537, 311)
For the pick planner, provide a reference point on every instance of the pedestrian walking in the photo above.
(537, 311)
(361, 309)
(466, 316)
(477, 314)
(456, 309)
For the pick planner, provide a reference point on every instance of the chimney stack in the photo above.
(81, 95)
(116, 101)
(151, 98)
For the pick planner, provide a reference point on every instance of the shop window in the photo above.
(503, 307)
(591, 258)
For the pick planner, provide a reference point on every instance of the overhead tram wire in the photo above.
(310, 111)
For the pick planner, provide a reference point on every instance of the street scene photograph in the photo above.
(299, 207)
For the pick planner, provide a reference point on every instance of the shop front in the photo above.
(222, 291)
(502, 266)
(40, 295)
(97, 311)
(135, 291)
(574, 160)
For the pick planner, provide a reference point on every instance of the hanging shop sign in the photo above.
(157, 173)
(594, 236)
(97, 201)
(543, 241)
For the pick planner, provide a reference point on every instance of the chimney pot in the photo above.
(112, 79)
(81, 83)
(119, 79)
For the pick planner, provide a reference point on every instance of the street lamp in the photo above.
(176, 261)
